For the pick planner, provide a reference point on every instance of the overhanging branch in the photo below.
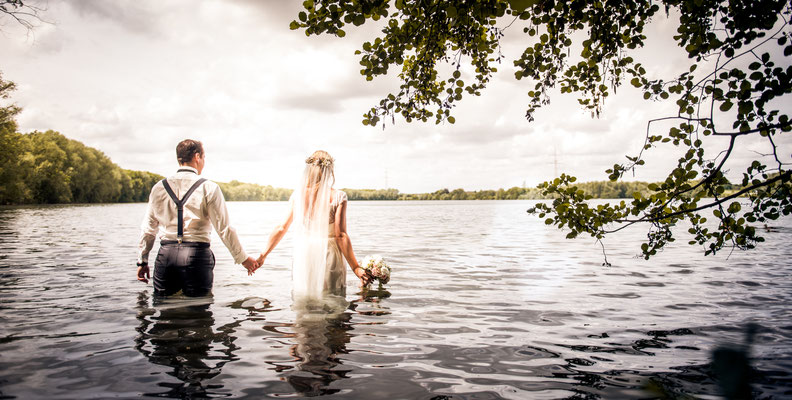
(784, 176)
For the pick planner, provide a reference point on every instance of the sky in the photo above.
(133, 78)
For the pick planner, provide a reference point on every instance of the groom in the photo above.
(186, 207)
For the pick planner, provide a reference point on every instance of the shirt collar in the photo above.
(187, 168)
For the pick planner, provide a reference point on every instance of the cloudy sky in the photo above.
(132, 78)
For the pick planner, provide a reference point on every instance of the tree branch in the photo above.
(786, 175)
(764, 128)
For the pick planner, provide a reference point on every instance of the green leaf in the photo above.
(520, 5)
(744, 107)
(359, 20)
(726, 106)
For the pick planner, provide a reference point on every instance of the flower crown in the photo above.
(322, 162)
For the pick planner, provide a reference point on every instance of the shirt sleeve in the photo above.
(218, 215)
(148, 231)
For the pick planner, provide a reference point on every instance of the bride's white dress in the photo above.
(314, 276)
(335, 283)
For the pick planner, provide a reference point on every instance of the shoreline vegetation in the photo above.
(48, 168)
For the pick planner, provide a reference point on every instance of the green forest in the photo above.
(47, 167)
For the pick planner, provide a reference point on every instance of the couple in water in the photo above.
(183, 208)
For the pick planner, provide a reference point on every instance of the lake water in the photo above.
(485, 302)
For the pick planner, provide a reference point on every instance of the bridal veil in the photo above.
(311, 213)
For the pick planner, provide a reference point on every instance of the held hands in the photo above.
(250, 265)
(260, 260)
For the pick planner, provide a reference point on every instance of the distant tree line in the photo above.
(513, 193)
(372, 194)
(600, 189)
(597, 189)
(47, 167)
(239, 191)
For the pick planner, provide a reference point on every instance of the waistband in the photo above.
(200, 245)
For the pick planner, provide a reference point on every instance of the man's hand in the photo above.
(143, 273)
(250, 265)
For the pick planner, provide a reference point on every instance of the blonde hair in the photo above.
(317, 164)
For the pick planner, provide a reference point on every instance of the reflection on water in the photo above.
(485, 302)
(320, 336)
(181, 334)
(321, 331)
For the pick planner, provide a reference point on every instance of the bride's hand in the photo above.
(260, 259)
(365, 278)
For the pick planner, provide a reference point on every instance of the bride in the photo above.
(318, 213)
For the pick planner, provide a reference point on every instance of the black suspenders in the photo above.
(180, 203)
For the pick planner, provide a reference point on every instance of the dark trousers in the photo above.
(186, 266)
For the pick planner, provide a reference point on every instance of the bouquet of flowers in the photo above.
(377, 269)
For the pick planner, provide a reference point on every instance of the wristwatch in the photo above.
(142, 264)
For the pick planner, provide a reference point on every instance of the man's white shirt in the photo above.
(205, 208)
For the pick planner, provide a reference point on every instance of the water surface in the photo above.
(485, 302)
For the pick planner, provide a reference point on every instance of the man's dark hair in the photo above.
(187, 149)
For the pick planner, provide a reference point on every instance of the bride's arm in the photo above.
(345, 244)
(276, 236)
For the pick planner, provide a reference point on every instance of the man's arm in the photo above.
(148, 234)
(218, 215)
